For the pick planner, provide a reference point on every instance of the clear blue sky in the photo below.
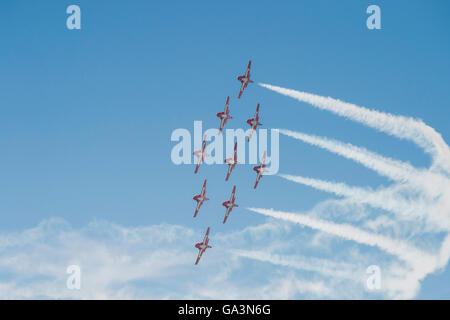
(86, 115)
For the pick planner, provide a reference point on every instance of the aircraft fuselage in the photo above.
(228, 204)
(201, 246)
(243, 79)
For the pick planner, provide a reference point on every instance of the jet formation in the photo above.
(231, 162)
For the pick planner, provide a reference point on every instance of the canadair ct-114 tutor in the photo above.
(245, 79)
(254, 122)
(231, 162)
(200, 198)
(260, 170)
(202, 246)
(229, 204)
(224, 116)
(201, 154)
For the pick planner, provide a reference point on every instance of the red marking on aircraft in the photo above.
(245, 79)
(224, 116)
(202, 246)
(201, 154)
(254, 122)
(229, 204)
(231, 162)
(200, 198)
(260, 170)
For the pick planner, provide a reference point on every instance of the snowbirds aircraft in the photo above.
(260, 170)
(245, 79)
(201, 154)
(224, 116)
(200, 198)
(254, 122)
(229, 204)
(231, 162)
(202, 246)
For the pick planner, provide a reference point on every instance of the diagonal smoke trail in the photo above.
(383, 199)
(322, 266)
(399, 126)
(394, 247)
(422, 192)
(393, 169)
(338, 188)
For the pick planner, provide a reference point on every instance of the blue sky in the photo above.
(87, 117)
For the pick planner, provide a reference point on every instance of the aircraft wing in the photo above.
(222, 123)
(230, 168)
(247, 72)
(203, 188)
(263, 161)
(197, 208)
(199, 256)
(251, 133)
(233, 194)
(227, 105)
(204, 144)
(257, 179)
(226, 214)
(206, 236)
(256, 117)
(242, 89)
(198, 165)
(235, 152)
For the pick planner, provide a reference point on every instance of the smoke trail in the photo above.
(399, 126)
(340, 189)
(422, 192)
(394, 247)
(393, 169)
(322, 266)
(383, 199)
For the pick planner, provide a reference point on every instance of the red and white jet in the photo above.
(201, 154)
(230, 204)
(200, 198)
(224, 116)
(245, 79)
(232, 162)
(254, 122)
(260, 170)
(202, 246)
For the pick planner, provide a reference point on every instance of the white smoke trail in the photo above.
(426, 193)
(399, 126)
(432, 185)
(398, 248)
(393, 169)
(322, 266)
(383, 198)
